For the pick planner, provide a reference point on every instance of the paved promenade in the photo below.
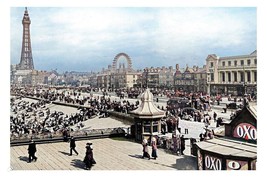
(110, 154)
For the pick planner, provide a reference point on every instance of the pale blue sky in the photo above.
(87, 39)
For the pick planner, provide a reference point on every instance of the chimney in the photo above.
(194, 68)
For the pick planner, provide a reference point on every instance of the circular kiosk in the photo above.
(147, 117)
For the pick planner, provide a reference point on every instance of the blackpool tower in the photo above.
(26, 61)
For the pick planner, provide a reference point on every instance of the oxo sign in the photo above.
(245, 131)
(213, 163)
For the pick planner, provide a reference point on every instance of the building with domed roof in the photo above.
(147, 117)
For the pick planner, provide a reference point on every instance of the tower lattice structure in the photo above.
(26, 61)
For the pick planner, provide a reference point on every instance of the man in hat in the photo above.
(72, 146)
(31, 151)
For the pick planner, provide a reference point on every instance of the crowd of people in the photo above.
(33, 118)
(37, 118)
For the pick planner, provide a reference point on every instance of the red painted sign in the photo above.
(245, 131)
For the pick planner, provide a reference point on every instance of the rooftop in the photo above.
(225, 146)
(147, 108)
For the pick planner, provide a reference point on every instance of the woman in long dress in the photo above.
(154, 148)
(145, 149)
(89, 158)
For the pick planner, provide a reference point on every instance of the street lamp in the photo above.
(244, 83)
(208, 82)
(245, 88)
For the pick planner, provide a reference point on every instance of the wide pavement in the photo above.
(110, 154)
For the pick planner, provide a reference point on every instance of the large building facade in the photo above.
(235, 75)
(190, 79)
(158, 77)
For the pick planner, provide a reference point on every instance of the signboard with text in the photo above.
(212, 163)
(245, 131)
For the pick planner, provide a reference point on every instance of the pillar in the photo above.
(232, 77)
(246, 76)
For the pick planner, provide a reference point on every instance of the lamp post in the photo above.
(208, 83)
(245, 88)
(244, 81)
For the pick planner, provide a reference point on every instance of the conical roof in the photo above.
(147, 108)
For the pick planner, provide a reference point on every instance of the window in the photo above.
(248, 62)
(242, 62)
(223, 77)
(223, 63)
(235, 76)
(235, 63)
(242, 76)
(255, 61)
(229, 77)
(229, 63)
(211, 64)
(249, 76)
(212, 77)
(155, 126)
(147, 127)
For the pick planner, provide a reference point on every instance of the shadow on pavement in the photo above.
(65, 153)
(155, 161)
(23, 158)
(78, 163)
(136, 156)
(163, 164)
(186, 163)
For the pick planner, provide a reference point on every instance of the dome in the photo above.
(147, 96)
(147, 109)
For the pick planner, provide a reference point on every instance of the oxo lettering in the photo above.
(246, 132)
(213, 163)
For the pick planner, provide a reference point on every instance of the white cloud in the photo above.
(154, 32)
